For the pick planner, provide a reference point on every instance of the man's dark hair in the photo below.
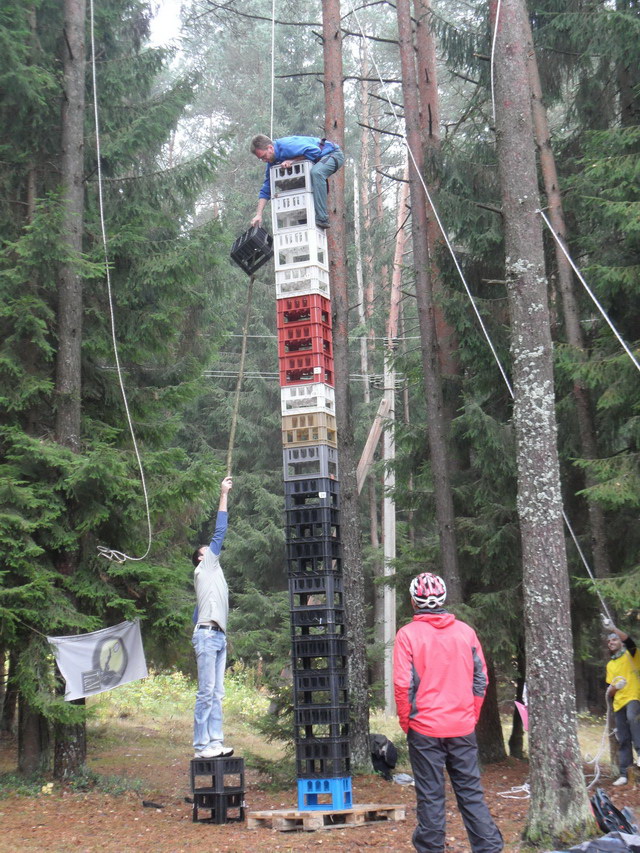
(195, 555)
(260, 143)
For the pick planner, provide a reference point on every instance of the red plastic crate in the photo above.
(311, 307)
(305, 337)
(310, 367)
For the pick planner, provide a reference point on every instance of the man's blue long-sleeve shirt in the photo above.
(290, 147)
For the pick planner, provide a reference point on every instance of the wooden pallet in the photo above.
(289, 820)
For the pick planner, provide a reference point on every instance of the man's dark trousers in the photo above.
(429, 757)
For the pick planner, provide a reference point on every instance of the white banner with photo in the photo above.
(102, 660)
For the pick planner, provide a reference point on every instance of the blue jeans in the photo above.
(320, 171)
(211, 656)
(627, 733)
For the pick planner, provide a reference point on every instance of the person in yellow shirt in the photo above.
(623, 678)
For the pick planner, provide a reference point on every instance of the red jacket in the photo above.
(439, 675)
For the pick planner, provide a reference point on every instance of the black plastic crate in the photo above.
(222, 808)
(321, 584)
(317, 616)
(323, 768)
(309, 680)
(316, 491)
(308, 566)
(319, 688)
(314, 647)
(324, 549)
(218, 775)
(313, 515)
(321, 715)
(252, 249)
(318, 591)
(326, 748)
(310, 530)
(330, 630)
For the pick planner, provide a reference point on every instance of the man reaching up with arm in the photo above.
(210, 639)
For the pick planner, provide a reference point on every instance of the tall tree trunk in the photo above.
(352, 552)
(559, 806)
(68, 374)
(33, 740)
(429, 345)
(489, 729)
(10, 699)
(70, 747)
(573, 330)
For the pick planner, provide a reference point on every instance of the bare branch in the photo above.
(379, 130)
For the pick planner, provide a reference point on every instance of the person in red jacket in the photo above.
(440, 680)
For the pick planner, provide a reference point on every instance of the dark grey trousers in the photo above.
(627, 733)
(429, 757)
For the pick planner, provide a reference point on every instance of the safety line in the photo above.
(492, 65)
(109, 553)
(273, 60)
(594, 298)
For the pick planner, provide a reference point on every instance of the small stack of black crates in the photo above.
(312, 495)
(217, 785)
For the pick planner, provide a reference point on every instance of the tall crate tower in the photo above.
(312, 494)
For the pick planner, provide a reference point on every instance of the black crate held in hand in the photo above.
(252, 249)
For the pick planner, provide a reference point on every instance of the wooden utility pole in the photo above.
(559, 806)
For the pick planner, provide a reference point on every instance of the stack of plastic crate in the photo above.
(312, 494)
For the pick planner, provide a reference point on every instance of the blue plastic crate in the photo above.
(325, 794)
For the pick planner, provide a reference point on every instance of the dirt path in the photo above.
(64, 821)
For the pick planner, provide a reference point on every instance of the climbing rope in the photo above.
(109, 553)
(236, 402)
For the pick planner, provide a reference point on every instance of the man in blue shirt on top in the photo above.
(327, 158)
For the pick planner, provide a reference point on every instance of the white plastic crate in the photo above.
(294, 179)
(303, 246)
(314, 397)
(294, 210)
(303, 279)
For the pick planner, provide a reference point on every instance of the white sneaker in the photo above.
(638, 761)
(207, 752)
(621, 780)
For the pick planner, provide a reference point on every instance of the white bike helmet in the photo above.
(428, 591)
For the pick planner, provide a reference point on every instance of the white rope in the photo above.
(110, 554)
(273, 60)
(597, 772)
(594, 298)
(492, 70)
(518, 792)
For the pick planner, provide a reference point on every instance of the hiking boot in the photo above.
(323, 225)
(621, 780)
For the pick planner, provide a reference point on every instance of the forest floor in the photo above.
(150, 759)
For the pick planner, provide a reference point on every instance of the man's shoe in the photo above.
(226, 751)
(621, 780)
(638, 761)
(207, 752)
(323, 225)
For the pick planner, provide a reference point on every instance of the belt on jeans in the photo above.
(209, 628)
